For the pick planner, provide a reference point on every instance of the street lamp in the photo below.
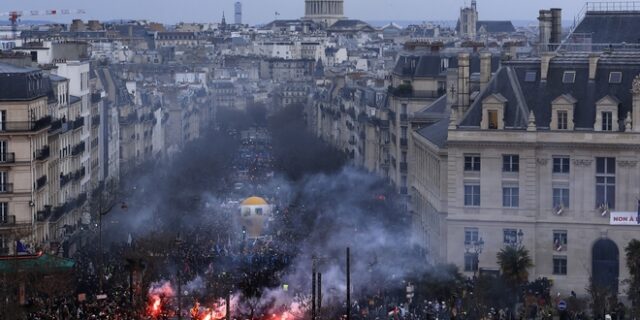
(520, 237)
(178, 243)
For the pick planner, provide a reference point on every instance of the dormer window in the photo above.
(607, 121)
(607, 114)
(569, 77)
(562, 112)
(493, 119)
(563, 119)
(493, 112)
(615, 77)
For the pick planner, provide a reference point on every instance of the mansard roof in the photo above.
(609, 27)
(431, 65)
(538, 95)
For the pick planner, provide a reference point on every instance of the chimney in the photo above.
(593, 65)
(463, 82)
(485, 70)
(545, 60)
(635, 108)
(545, 25)
(556, 25)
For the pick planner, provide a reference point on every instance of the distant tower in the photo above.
(467, 24)
(223, 23)
(325, 12)
(238, 13)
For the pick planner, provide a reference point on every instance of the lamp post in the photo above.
(178, 243)
(475, 248)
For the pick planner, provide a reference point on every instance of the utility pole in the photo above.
(228, 307)
(313, 288)
(348, 284)
(319, 297)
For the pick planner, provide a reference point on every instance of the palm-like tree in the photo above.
(514, 263)
(633, 263)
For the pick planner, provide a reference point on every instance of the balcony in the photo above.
(55, 125)
(65, 179)
(43, 154)
(403, 167)
(78, 123)
(9, 157)
(403, 117)
(404, 142)
(41, 182)
(43, 215)
(8, 220)
(95, 120)
(25, 126)
(403, 190)
(78, 149)
(80, 173)
(6, 188)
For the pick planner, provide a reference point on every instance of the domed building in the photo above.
(254, 214)
(325, 12)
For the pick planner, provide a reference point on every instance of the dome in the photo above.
(254, 201)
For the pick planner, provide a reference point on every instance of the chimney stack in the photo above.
(485, 69)
(545, 25)
(463, 82)
(556, 26)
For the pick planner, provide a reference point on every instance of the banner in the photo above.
(623, 218)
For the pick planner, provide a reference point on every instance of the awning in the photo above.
(41, 262)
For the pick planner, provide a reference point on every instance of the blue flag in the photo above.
(20, 248)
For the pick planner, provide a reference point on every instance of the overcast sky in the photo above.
(260, 11)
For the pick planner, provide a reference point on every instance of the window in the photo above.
(606, 182)
(472, 195)
(511, 163)
(472, 163)
(530, 76)
(4, 179)
(259, 211)
(510, 236)
(493, 119)
(3, 151)
(561, 165)
(607, 121)
(559, 265)
(569, 77)
(4, 212)
(559, 239)
(510, 197)
(561, 197)
(403, 109)
(471, 235)
(563, 120)
(470, 262)
(615, 77)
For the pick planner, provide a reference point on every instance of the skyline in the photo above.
(254, 11)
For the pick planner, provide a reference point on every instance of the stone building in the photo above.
(24, 154)
(545, 155)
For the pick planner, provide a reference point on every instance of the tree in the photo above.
(633, 264)
(514, 263)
